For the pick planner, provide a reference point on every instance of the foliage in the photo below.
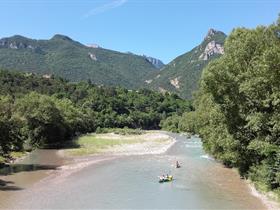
(41, 121)
(9, 128)
(121, 131)
(171, 123)
(237, 105)
(48, 112)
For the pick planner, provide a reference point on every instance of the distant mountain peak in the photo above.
(18, 37)
(17, 42)
(156, 62)
(15, 38)
(212, 32)
(183, 73)
(61, 37)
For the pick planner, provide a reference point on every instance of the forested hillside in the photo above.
(238, 106)
(48, 112)
(69, 59)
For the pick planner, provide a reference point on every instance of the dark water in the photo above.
(37, 160)
(132, 183)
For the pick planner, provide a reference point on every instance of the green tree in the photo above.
(237, 106)
(42, 122)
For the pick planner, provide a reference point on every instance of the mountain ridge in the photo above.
(70, 59)
(67, 58)
(182, 74)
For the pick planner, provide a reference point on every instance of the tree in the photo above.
(10, 138)
(42, 122)
(238, 106)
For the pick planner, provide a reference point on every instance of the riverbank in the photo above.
(13, 157)
(94, 148)
(147, 142)
(269, 199)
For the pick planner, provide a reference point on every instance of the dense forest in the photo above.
(49, 112)
(237, 108)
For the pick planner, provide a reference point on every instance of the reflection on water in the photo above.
(15, 178)
(16, 168)
(8, 186)
(132, 182)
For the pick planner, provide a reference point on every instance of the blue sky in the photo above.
(160, 28)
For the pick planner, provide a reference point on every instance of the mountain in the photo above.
(64, 57)
(156, 62)
(183, 73)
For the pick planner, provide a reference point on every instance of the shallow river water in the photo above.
(131, 182)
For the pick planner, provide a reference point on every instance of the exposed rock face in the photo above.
(92, 56)
(211, 49)
(148, 81)
(14, 45)
(156, 62)
(162, 90)
(18, 42)
(175, 82)
(47, 76)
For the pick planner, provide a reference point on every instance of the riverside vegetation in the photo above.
(48, 112)
(237, 107)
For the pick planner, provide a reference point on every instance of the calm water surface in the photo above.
(131, 182)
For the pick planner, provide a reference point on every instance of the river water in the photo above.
(131, 182)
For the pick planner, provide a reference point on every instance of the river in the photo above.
(131, 182)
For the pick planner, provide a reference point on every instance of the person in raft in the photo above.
(177, 164)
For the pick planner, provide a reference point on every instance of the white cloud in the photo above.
(104, 8)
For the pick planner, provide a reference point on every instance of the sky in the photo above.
(162, 29)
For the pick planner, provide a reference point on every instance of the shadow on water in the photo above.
(8, 186)
(16, 168)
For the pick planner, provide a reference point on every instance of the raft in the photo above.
(165, 179)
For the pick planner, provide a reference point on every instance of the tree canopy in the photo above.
(48, 112)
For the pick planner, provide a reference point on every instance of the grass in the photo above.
(16, 155)
(96, 143)
(264, 189)
(273, 195)
(11, 157)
